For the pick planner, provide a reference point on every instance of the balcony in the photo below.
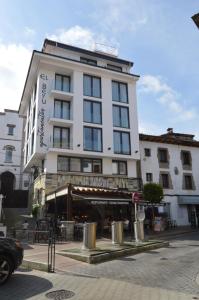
(59, 147)
(58, 121)
(62, 95)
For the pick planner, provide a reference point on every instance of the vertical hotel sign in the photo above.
(42, 111)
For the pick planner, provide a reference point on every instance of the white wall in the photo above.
(15, 140)
(151, 165)
(46, 75)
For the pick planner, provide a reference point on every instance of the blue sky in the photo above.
(157, 35)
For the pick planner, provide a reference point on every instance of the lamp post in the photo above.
(195, 18)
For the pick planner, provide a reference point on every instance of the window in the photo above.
(8, 155)
(88, 61)
(92, 86)
(26, 183)
(93, 139)
(120, 116)
(63, 163)
(149, 177)
(119, 92)
(35, 91)
(32, 142)
(188, 182)
(61, 137)
(165, 181)
(121, 142)
(163, 155)
(33, 117)
(92, 112)
(186, 158)
(10, 129)
(62, 83)
(147, 152)
(114, 68)
(119, 167)
(76, 164)
(62, 109)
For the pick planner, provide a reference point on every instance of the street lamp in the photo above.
(195, 18)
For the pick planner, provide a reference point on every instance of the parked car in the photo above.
(11, 256)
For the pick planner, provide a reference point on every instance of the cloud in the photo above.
(29, 32)
(14, 61)
(115, 15)
(79, 36)
(149, 128)
(167, 97)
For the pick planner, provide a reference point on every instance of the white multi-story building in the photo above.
(172, 159)
(11, 153)
(81, 118)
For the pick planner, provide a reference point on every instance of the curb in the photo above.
(29, 265)
(106, 256)
(170, 235)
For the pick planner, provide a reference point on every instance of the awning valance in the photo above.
(184, 200)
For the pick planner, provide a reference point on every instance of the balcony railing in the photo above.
(59, 145)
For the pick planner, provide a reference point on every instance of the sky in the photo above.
(159, 36)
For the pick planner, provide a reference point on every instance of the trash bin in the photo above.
(117, 232)
(89, 236)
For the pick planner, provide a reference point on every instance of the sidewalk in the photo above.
(38, 253)
(35, 285)
(167, 234)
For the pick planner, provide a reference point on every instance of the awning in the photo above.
(57, 194)
(101, 200)
(184, 200)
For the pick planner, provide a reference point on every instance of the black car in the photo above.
(11, 256)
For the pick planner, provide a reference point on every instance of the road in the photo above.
(167, 273)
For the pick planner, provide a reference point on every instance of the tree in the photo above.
(153, 193)
(35, 210)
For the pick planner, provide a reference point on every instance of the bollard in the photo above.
(117, 232)
(141, 230)
(136, 231)
(89, 236)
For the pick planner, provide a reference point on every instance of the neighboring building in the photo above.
(81, 126)
(172, 159)
(11, 155)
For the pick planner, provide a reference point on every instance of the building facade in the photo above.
(172, 159)
(12, 177)
(81, 120)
